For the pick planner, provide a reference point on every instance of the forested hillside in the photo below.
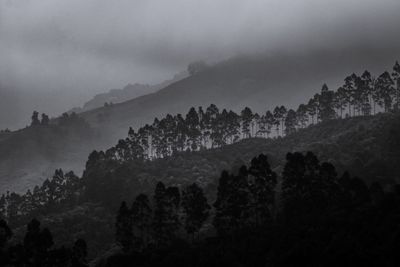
(367, 146)
(257, 81)
(30, 155)
(228, 84)
(307, 214)
(355, 128)
(277, 142)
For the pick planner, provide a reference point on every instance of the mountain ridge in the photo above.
(130, 91)
(258, 82)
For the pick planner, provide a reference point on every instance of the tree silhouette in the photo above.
(367, 91)
(290, 122)
(5, 234)
(340, 100)
(222, 210)
(349, 88)
(210, 118)
(278, 116)
(232, 127)
(384, 86)
(79, 254)
(283, 113)
(302, 115)
(312, 107)
(262, 187)
(247, 118)
(358, 95)
(231, 206)
(36, 243)
(166, 202)
(173, 200)
(36, 249)
(123, 227)
(396, 78)
(141, 216)
(298, 174)
(192, 123)
(45, 119)
(35, 118)
(269, 120)
(326, 108)
(195, 207)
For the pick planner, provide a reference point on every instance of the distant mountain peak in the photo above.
(128, 92)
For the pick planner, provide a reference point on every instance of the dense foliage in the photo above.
(62, 191)
(320, 219)
(37, 248)
(269, 212)
(313, 217)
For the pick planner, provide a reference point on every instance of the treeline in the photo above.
(242, 198)
(37, 248)
(200, 129)
(312, 217)
(156, 221)
(69, 122)
(159, 219)
(35, 121)
(63, 190)
(317, 219)
(5, 131)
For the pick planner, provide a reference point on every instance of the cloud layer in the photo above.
(76, 48)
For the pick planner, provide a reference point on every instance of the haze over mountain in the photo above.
(234, 84)
(55, 54)
(129, 92)
(239, 133)
(260, 55)
(251, 80)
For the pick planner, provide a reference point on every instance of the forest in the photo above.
(305, 213)
(201, 129)
(313, 217)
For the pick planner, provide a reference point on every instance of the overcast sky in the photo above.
(76, 48)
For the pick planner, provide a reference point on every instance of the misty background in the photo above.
(55, 55)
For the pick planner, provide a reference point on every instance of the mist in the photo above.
(55, 55)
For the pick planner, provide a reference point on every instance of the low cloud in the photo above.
(79, 48)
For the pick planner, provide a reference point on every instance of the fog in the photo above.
(57, 54)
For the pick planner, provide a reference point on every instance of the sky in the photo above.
(56, 54)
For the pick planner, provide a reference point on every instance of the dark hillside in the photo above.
(368, 147)
(259, 82)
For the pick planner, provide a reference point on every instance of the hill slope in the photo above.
(260, 82)
(30, 155)
(129, 92)
(368, 147)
